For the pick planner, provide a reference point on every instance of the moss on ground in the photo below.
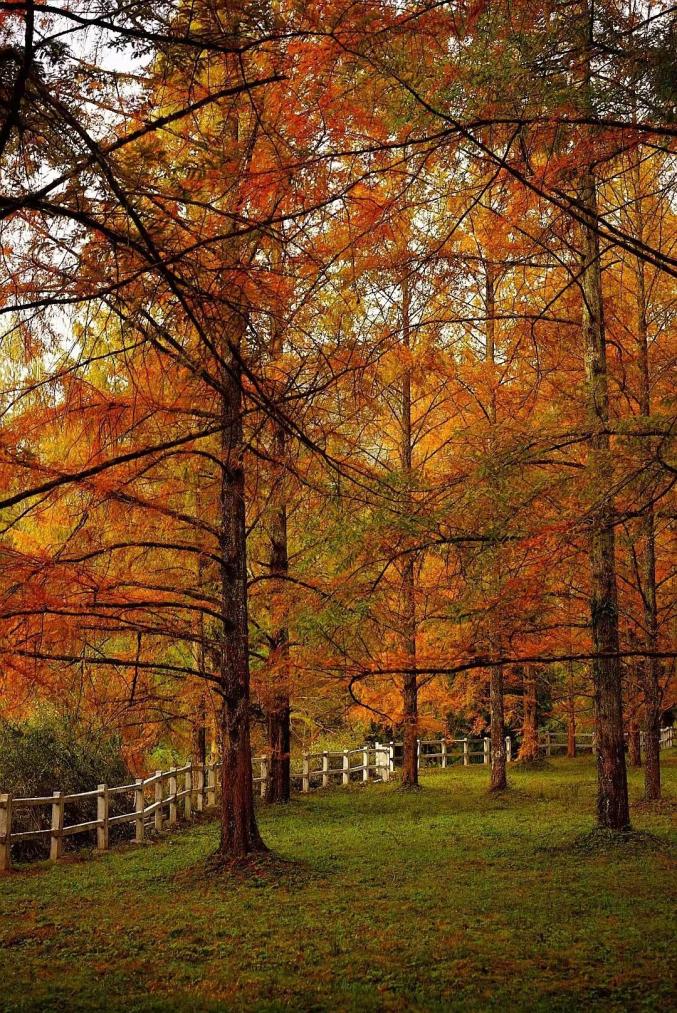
(451, 899)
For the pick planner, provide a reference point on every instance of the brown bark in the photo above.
(612, 795)
(634, 745)
(408, 592)
(199, 729)
(651, 668)
(498, 751)
(571, 716)
(278, 788)
(498, 780)
(529, 746)
(279, 741)
(239, 832)
(410, 737)
(199, 736)
(240, 836)
(612, 788)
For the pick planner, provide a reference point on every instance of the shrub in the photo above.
(52, 752)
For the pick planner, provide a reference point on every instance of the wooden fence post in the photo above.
(264, 775)
(139, 806)
(466, 752)
(159, 819)
(391, 756)
(444, 752)
(346, 768)
(325, 770)
(418, 754)
(385, 763)
(211, 784)
(5, 833)
(486, 745)
(102, 818)
(305, 787)
(56, 838)
(173, 786)
(200, 787)
(508, 749)
(365, 764)
(188, 788)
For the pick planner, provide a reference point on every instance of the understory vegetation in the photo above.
(372, 899)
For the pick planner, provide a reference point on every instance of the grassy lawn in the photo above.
(443, 899)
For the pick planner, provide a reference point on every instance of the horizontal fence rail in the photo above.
(154, 802)
(340, 766)
(556, 742)
(553, 742)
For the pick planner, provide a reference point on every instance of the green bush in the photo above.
(51, 752)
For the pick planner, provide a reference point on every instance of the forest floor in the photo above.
(447, 899)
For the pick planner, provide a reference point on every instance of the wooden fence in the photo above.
(319, 769)
(557, 742)
(153, 802)
(379, 761)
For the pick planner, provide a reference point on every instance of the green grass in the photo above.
(447, 899)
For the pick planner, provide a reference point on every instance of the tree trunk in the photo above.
(571, 715)
(199, 730)
(410, 737)
(278, 785)
(410, 688)
(529, 746)
(634, 746)
(408, 593)
(240, 836)
(498, 750)
(651, 668)
(278, 788)
(612, 796)
(199, 736)
(239, 832)
(498, 781)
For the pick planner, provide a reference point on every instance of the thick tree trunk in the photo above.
(612, 797)
(529, 746)
(239, 832)
(408, 592)
(498, 750)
